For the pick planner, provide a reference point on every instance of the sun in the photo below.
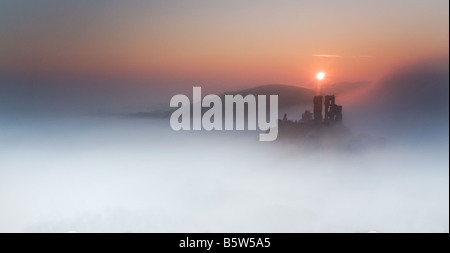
(320, 75)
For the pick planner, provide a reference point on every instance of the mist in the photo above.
(128, 176)
(115, 174)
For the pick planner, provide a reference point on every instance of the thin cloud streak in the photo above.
(342, 56)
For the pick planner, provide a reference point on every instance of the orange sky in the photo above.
(233, 43)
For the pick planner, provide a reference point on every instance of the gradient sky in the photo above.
(224, 44)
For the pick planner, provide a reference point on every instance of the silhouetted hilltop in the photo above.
(288, 97)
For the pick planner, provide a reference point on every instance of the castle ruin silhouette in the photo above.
(332, 111)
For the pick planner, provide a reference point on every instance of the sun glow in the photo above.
(320, 75)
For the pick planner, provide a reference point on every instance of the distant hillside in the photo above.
(288, 96)
(414, 98)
